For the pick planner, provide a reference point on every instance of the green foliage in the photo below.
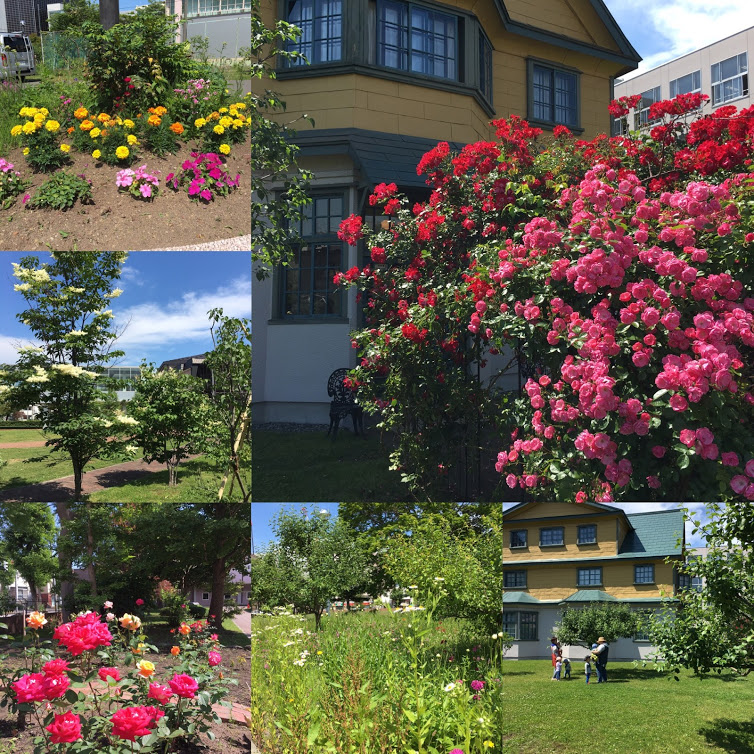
(115, 142)
(159, 139)
(11, 101)
(11, 184)
(60, 191)
(713, 629)
(273, 213)
(74, 15)
(174, 606)
(582, 626)
(173, 415)
(136, 63)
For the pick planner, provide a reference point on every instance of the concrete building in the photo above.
(387, 80)
(720, 70)
(202, 594)
(558, 555)
(225, 24)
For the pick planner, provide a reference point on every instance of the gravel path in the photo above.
(61, 490)
(241, 243)
(23, 444)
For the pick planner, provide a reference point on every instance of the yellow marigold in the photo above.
(44, 111)
(26, 150)
(16, 130)
(237, 123)
(225, 121)
(223, 110)
(128, 123)
(86, 125)
(131, 139)
(80, 113)
(39, 118)
(225, 148)
(96, 154)
(177, 128)
(27, 112)
(122, 152)
(154, 120)
(160, 110)
(65, 148)
(199, 122)
(94, 133)
(219, 130)
(119, 120)
(29, 127)
(102, 117)
(239, 105)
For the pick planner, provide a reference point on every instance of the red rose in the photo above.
(55, 686)
(159, 692)
(55, 667)
(140, 601)
(103, 673)
(127, 79)
(65, 729)
(184, 685)
(30, 688)
(130, 722)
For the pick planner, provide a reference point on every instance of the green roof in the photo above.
(591, 595)
(653, 534)
(512, 598)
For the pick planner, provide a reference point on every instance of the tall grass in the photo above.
(11, 101)
(374, 683)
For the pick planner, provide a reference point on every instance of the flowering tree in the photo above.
(582, 626)
(68, 315)
(172, 412)
(618, 272)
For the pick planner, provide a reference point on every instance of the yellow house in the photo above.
(385, 81)
(572, 554)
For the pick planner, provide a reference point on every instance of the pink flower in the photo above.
(160, 692)
(729, 459)
(184, 685)
(658, 451)
(55, 667)
(214, 658)
(749, 468)
(108, 605)
(581, 496)
(206, 194)
(688, 437)
(113, 673)
(140, 601)
(678, 403)
(653, 482)
(130, 722)
(477, 685)
(26, 198)
(65, 728)
(31, 687)
(739, 483)
(146, 192)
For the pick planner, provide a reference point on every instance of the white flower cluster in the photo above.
(73, 371)
(302, 658)
(132, 448)
(22, 287)
(35, 276)
(40, 375)
(73, 289)
(4, 389)
(114, 293)
(75, 332)
(121, 419)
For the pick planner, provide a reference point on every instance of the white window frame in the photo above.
(695, 90)
(743, 74)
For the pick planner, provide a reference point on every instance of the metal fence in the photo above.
(60, 50)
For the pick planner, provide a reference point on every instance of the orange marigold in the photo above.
(80, 113)
(87, 125)
(103, 117)
(177, 128)
(154, 120)
(70, 130)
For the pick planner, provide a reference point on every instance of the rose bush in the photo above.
(618, 274)
(85, 704)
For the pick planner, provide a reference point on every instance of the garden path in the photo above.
(23, 444)
(243, 621)
(241, 243)
(61, 490)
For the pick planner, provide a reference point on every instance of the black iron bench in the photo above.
(343, 404)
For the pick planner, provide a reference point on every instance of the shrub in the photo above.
(39, 139)
(617, 270)
(61, 191)
(174, 606)
(159, 134)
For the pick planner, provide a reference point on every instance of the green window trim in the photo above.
(537, 65)
(518, 577)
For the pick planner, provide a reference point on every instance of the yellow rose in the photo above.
(36, 620)
(146, 668)
(94, 133)
(65, 148)
(122, 152)
(225, 148)
(16, 130)
(219, 130)
(131, 622)
(131, 139)
(96, 154)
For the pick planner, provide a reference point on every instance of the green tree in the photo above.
(469, 563)
(68, 316)
(172, 412)
(230, 363)
(314, 560)
(73, 16)
(29, 533)
(582, 626)
(712, 629)
(274, 212)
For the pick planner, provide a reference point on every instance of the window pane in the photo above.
(510, 624)
(320, 24)
(729, 67)
(542, 90)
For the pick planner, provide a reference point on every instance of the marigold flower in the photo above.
(26, 150)
(71, 129)
(96, 154)
(177, 128)
(80, 113)
(16, 130)
(103, 117)
(122, 152)
(219, 130)
(94, 133)
(65, 148)
(199, 122)
(128, 123)
(86, 125)
(154, 120)
(52, 125)
(224, 148)
(131, 139)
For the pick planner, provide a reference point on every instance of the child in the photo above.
(567, 668)
(593, 656)
(558, 665)
(588, 667)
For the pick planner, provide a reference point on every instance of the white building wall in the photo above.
(700, 60)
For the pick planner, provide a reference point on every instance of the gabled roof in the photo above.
(653, 533)
(627, 55)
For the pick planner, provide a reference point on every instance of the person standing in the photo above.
(587, 667)
(601, 655)
(555, 650)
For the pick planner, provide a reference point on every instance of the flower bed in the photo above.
(93, 689)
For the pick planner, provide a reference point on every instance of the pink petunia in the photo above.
(146, 190)
(206, 194)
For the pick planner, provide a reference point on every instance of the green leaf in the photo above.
(410, 715)
(312, 734)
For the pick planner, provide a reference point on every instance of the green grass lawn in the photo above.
(638, 711)
(19, 471)
(24, 435)
(296, 466)
(198, 482)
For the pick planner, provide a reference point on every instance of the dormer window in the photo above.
(518, 538)
(551, 536)
(587, 534)
(321, 23)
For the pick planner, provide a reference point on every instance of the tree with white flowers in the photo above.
(68, 313)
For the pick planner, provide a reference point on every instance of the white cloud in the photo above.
(155, 324)
(9, 345)
(131, 275)
(688, 25)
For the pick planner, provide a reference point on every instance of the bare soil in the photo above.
(231, 738)
(119, 222)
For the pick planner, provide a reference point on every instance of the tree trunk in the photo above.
(109, 13)
(77, 478)
(217, 599)
(90, 550)
(64, 560)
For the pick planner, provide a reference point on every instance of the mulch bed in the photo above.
(118, 222)
(231, 737)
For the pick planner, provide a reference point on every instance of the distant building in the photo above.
(202, 594)
(719, 70)
(128, 373)
(193, 365)
(226, 24)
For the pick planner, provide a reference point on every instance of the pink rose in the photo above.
(108, 605)
(113, 673)
(55, 667)
(214, 658)
(688, 437)
(65, 729)
(749, 468)
(160, 692)
(729, 459)
(184, 685)
(739, 483)
(140, 602)
(30, 687)
(658, 451)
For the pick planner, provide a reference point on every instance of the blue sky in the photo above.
(163, 308)
(697, 509)
(662, 30)
(262, 515)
